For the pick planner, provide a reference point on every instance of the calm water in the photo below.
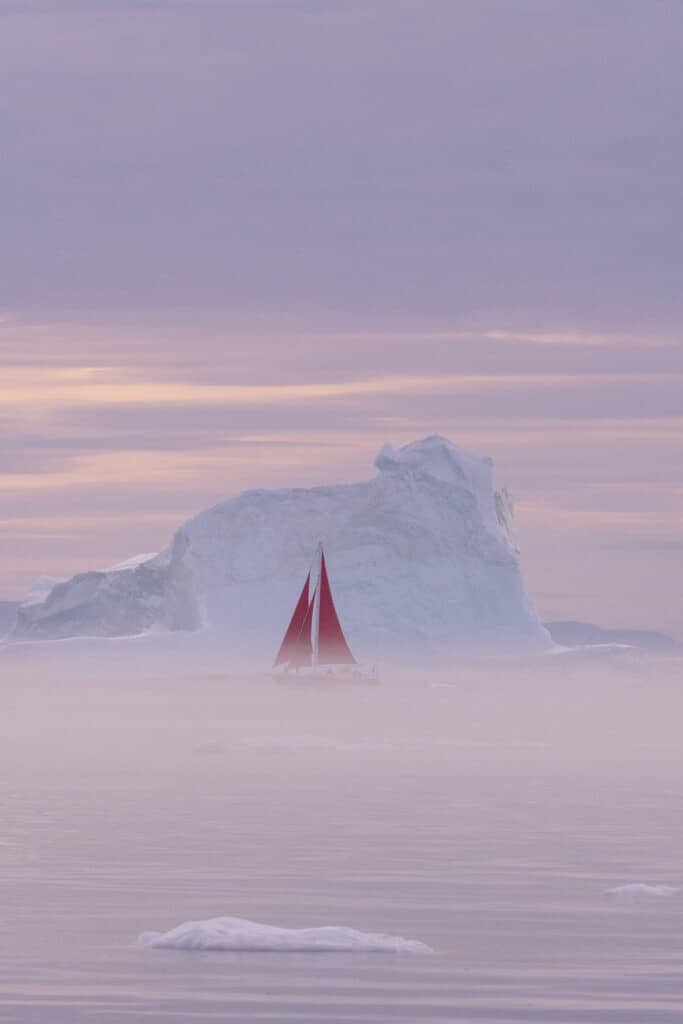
(484, 818)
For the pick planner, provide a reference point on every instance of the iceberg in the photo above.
(423, 559)
(237, 934)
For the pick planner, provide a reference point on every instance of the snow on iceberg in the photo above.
(133, 562)
(634, 891)
(238, 934)
(423, 561)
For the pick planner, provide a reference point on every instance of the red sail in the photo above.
(296, 648)
(332, 646)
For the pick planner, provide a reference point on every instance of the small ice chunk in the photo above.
(642, 891)
(238, 934)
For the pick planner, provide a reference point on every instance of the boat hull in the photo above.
(328, 675)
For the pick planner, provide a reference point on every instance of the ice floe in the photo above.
(238, 934)
(641, 891)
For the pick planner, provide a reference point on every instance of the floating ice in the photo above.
(422, 557)
(237, 934)
(641, 891)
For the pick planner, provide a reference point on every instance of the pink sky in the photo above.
(107, 449)
(245, 244)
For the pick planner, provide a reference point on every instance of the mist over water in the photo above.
(483, 810)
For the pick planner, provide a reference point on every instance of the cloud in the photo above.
(328, 224)
(466, 159)
(645, 544)
(39, 391)
(555, 337)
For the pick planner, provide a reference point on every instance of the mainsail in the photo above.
(332, 648)
(314, 635)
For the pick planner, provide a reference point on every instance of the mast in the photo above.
(316, 570)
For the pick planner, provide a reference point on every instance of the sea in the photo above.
(484, 809)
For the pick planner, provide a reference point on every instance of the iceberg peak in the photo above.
(435, 456)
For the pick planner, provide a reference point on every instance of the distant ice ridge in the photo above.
(422, 557)
(8, 614)
(235, 933)
(634, 891)
(583, 634)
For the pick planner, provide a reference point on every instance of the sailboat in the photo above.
(314, 646)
